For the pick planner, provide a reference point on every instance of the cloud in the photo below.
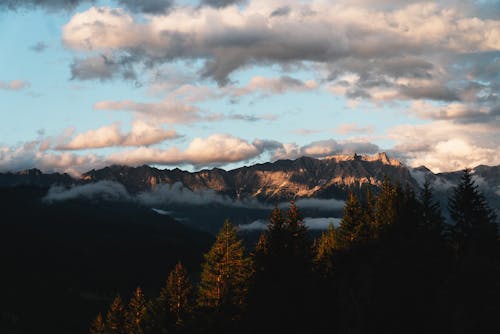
(459, 112)
(353, 128)
(321, 223)
(107, 190)
(39, 47)
(215, 150)
(305, 132)
(220, 3)
(141, 134)
(257, 225)
(447, 146)
(324, 148)
(278, 85)
(384, 45)
(166, 111)
(177, 193)
(102, 67)
(147, 6)
(32, 155)
(136, 6)
(14, 85)
(319, 203)
(311, 223)
(51, 5)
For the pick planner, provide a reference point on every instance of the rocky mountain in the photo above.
(279, 181)
(282, 180)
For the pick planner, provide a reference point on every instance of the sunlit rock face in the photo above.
(281, 180)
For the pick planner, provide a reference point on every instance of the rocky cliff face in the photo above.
(281, 180)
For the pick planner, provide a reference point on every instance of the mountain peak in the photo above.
(382, 157)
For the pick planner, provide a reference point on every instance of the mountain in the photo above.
(279, 181)
(268, 183)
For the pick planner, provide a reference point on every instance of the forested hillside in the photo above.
(392, 266)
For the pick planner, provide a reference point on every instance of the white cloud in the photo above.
(217, 149)
(447, 146)
(141, 134)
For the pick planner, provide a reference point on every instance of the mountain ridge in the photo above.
(282, 180)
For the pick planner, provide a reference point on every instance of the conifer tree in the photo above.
(116, 318)
(432, 220)
(225, 273)
(298, 241)
(179, 291)
(325, 251)
(136, 314)
(387, 207)
(97, 326)
(353, 221)
(475, 221)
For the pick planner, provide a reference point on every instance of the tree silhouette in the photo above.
(432, 220)
(225, 273)
(116, 318)
(97, 326)
(475, 221)
(179, 291)
(137, 310)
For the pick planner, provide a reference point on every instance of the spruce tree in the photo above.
(179, 291)
(353, 221)
(116, 318)
(325, 252)
(432, 220)
(137, 311)
(97, 326)
(225, 273)
(297, 240)
(475, 221)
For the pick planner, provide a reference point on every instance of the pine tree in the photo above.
(116, 318)
(475, 221)
(297, 240)
(136, 314)
(179, 291)
(225, 273)
(97, 326)
(432, 220)
(353, 221)
(325, 252)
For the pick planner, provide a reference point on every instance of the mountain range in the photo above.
(271, 183)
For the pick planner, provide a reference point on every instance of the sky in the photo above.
(226, 83)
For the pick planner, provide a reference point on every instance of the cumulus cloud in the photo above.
(384, 45)
(14, 85)
(447, 146)
(31, 154)
(324, 148)
(141, 134)
(215, 150)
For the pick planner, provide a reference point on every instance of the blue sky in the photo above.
(221, 83)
